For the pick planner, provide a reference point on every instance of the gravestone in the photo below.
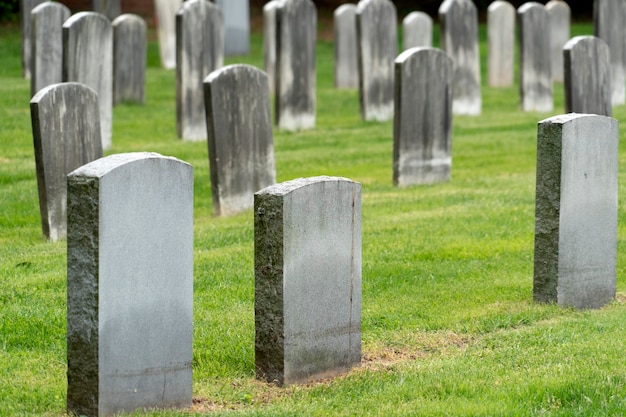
(417, 30)
(129, 284)
(26, 7)
(236, 26)
(88, 59)
(110, 8)
(459, 38)
(307, 267)
(346, 61)
(129, 58)
(422, 139)
(269, 42)
(608, 22)
(535, 63)
(501, 43)
(587, 76)
(165, 11)
(296, 33)
(199, 51)
(559, 14)
(66, 135)
(576, 210)
(240, 139)
(378, 46)
(47, 45)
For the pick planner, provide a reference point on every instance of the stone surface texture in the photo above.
(296, 35)
(66, 135)
(88, 59)
(501, 44)
(588, 76)
(459, 38)
(269, 42)
(535, 64)
(199, 51)
(110, 8)
(130, 284)
(129, 59)
(417, 30)
(26, 7)
(378, 46)
(422, 145)
(560, 17)
(346, 60)
(165, 11)
(576, 210)
(236, 26)
(608, 24)
(307, 279)
(47, 45)
(240, 138)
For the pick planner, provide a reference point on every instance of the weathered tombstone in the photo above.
(422, 139)
(165, 11)
(346, 61)
(417, 30)
(559, 14)
(296, 33)
(236, 26)
(535, 64)
(129, 284)
(199, 51)
(26, 6)
(587, 76)
(459, 38)
(377, 49)
(576, 210)
(269, 42)
(307, 267)
(240, 139)
(110, 8)
(608, 22)
(88, 59)
(47, 45)
(129, 58)
(501, 43)
(66, 134)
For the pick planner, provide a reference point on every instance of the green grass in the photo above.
(449, 325)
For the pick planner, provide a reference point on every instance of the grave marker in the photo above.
(608, 24)
(109, 8)
(346, 62)
(576, 210)
(559, 14)
(26, 6)
(307, 244)
(129, 284)
(165, 11)
(269, 42)
(129, 59)
(501, 43)
(417, 30)
(240, 139)
(237, 26)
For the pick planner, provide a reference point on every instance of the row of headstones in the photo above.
(130, 302)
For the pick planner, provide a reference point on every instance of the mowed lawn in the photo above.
(449, 326)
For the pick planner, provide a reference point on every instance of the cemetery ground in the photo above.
(449, 324)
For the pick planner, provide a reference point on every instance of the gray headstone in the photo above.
(129, 58)
(608, 21)
(26, 6)
(165, 11)
(47, 45)
(236, 25)
(199, 51)
(88, 59)
(129, 284)
(587, 76)
(459, 38)
(66, 134)
(346, 61)
(576, 210)
(269, 42)
(307, 267)
(417, 30)
(240, 139)
(377, 37)
(559, 14)
(296, 34)
(422, 139)
(110, 8)
(535, 63)
(501, 44)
